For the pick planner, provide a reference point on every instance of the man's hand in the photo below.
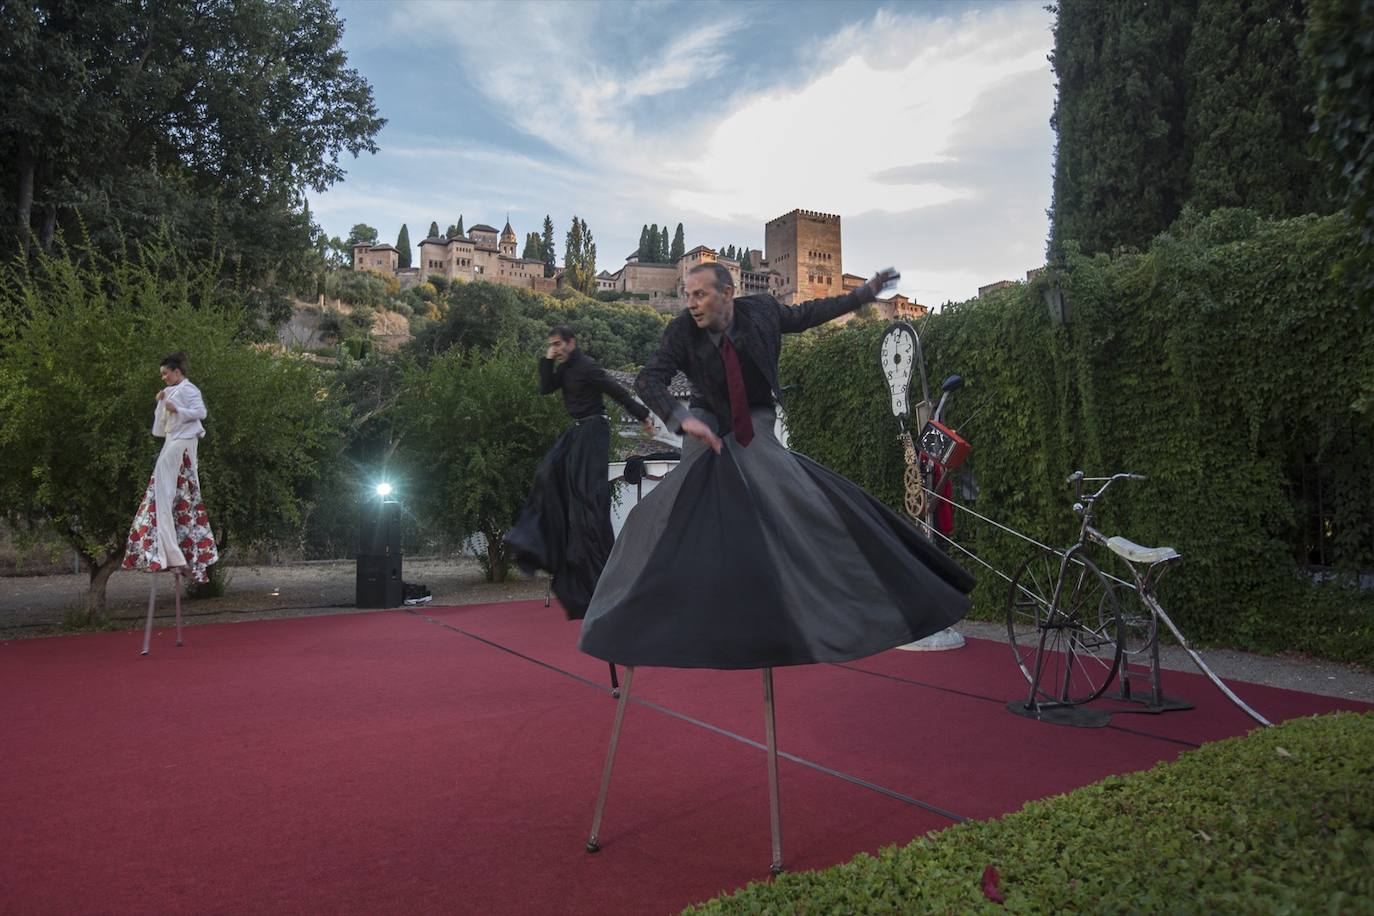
(647, 426)
(694, 427)
(883, 280)
(548, 354)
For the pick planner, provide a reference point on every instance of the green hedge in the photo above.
(1277, 821)
(1216, 363)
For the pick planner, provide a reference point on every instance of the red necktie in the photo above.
(739, 402)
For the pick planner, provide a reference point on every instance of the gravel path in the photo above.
(36, 605)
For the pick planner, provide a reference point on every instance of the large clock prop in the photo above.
(938, 447)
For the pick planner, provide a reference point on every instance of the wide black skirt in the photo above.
(565, 526)
(759, 557)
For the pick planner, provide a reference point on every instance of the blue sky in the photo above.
(924, 125)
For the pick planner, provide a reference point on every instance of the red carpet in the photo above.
(392, 763)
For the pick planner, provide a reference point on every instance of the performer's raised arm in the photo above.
(795, 318)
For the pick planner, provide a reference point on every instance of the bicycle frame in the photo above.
(1145, 590)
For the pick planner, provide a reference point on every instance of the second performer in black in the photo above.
(565, 525)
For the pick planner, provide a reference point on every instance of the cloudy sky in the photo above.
(924, 125)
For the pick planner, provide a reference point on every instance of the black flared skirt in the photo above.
(759, 557)
(565, 525)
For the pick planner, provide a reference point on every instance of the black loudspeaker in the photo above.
(379, 581)
(379, 535)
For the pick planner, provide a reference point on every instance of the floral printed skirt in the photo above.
(171, 528)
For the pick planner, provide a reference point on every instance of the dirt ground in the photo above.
(32, 606)
(36, 605)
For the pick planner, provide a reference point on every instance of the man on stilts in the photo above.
(749, 555)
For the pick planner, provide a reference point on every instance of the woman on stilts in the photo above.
(171, 530)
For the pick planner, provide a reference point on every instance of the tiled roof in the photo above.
(481, 227)
(679, 387)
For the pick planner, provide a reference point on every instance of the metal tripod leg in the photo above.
(592, 845)
(615, 682)
(152, 603)
(177, 580)
(548, 593)
(774, 815)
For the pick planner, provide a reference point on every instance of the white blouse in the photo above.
(190, 410)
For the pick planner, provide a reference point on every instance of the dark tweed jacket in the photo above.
(760, 322)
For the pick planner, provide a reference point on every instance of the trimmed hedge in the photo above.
(1218, 364)
(1277, 821)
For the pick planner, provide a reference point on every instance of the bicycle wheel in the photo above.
(1028, 603)
(1082, 633)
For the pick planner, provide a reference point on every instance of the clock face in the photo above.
(898, 357)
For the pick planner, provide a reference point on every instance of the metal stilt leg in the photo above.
(177, 580)
(615, 682)
(152, 603)
(548, 593)
(592, 845)
(774, 815)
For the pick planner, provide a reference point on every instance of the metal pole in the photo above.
(592, 844)
(774, 815)
(148, 627)
(176, 586)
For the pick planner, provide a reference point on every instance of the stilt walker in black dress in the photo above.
(749, 555)
(565, 526)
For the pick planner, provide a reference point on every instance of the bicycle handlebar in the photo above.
(1076, 480)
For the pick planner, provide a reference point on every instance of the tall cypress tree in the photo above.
(533, 250)
(433, 230)
(650, 253)
(546, 247)
(1247, 127)
(460, 226)
(1119, 169)
(403, 246)
(643, 242)
(663, 245)
(679, 245)
(572, 255)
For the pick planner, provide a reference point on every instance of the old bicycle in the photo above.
(1073, 628)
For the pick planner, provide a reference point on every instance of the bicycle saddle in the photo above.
(1134, 553)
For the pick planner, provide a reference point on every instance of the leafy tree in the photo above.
(459, 232)
(120, 124)
(679, 247)
(649, 254)
(579, 258)
(746, 262)
(82, 339)
(403, 247)
(474, 434)
(433, 230)
(663, 245)
(533, 250)
(546, 246)
(361, 234)
(1247, 126)
(643, 242)
(1119, 117)
(1340, 45)
(479, 315)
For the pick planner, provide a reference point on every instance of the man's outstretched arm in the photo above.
(818, 311)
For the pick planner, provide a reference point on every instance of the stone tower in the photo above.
(804, 247)
(508, 240)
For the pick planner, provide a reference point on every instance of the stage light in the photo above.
(383, 489)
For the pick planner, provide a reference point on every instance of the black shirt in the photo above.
(583, 383)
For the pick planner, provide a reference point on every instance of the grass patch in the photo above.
(1277, 821)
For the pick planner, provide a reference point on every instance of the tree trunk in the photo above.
(24, 204)
(498, 564)
(100, 577)
(49, 228)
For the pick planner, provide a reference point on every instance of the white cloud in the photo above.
(929, 136)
